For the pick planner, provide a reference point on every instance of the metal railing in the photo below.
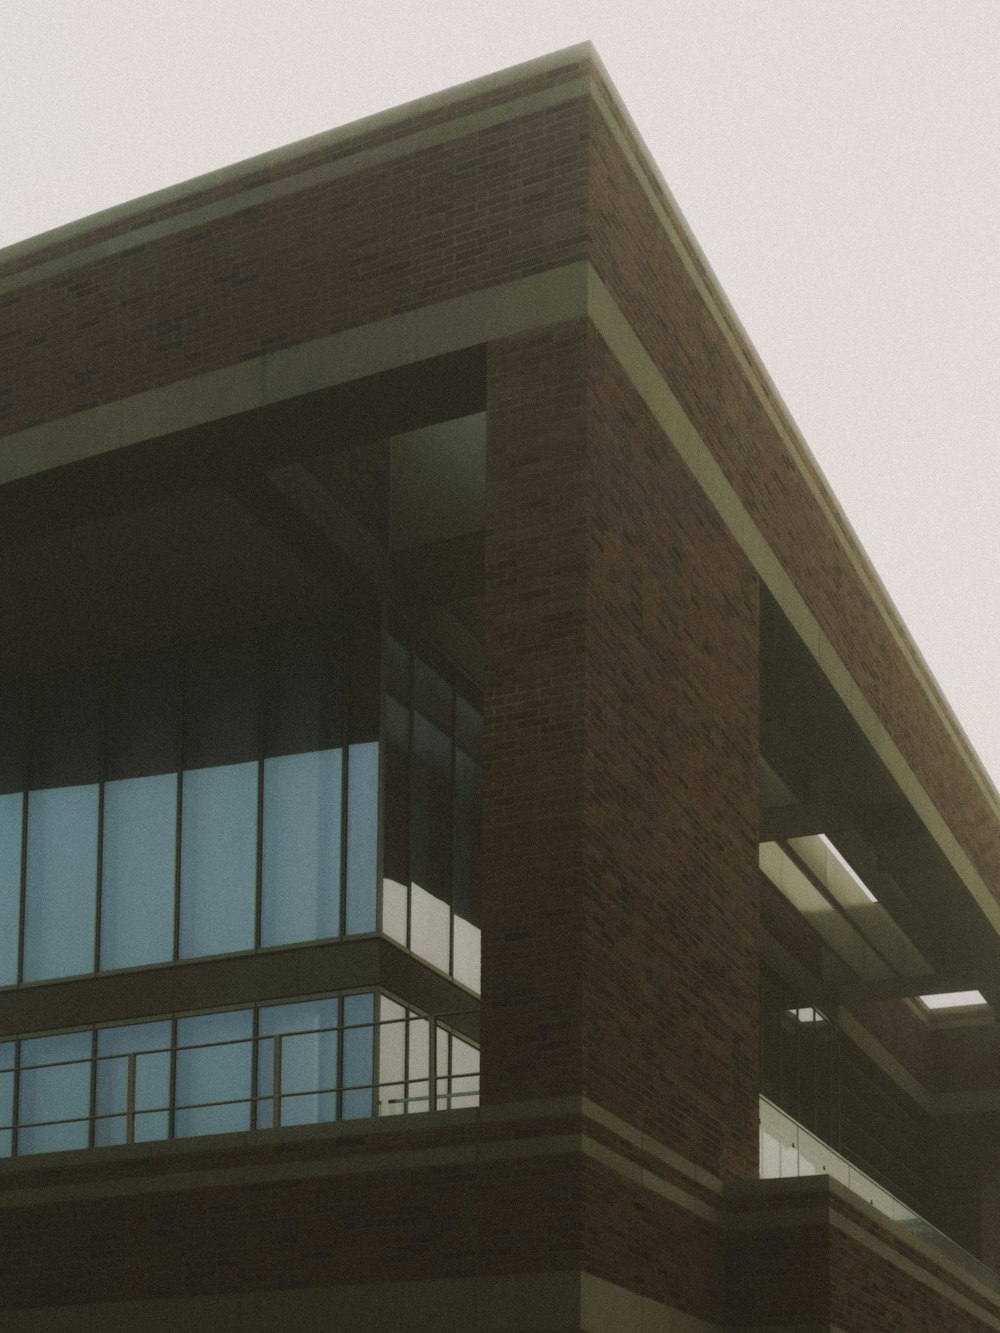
(419, 1082)
(801, 1153)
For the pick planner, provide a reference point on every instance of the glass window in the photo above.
(61, 887)
(58, 1093)
(214, 1062)
(430, 925)
(359, 1056)
(362, 837)
(431, 817)
(7, 1057)
(316, 1062)
(11, 814)
(391, 1057)
(307, 1061)
(138, 870)
(195, 786)
(303, 790)
(219, 804)
(139, 849)
(150, 1043)
(464, 1074)
(301, 867)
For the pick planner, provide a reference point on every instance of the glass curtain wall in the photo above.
(226, 797)
(301, 1062)
(433, 801)
(220, 798)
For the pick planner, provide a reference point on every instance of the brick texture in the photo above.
(620, 814)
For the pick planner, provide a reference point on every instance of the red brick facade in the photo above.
(623, 907)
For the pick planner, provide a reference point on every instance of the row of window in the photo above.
(338, 1057)
(226, 797)
(207, 801)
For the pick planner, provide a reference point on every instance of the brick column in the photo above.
(620, 901)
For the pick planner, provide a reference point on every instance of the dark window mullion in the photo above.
(172, 1090)
(345, 746)
(15, 1114)
(92, 1126)
(29, 717)
(338, 1101)
(254, 1066)
(408, 794)
(183, 686)
(102, 774)
(262, 702)
(452, 798)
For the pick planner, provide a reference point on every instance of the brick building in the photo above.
(468, 809)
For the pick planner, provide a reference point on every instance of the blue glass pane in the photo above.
(152, 1082)
(359, 1061)
(11, 806)
(61, 894)
(362, 836)
(7, 1055)
(213, 1073)
(301, 853)
(61, 1092)
(139, 855)
(308, 1063)
(218, 859)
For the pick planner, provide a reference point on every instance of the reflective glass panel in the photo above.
(418, 1088)
(7, 1057)
(464, 1074)
(430, 925)
(359, 1056)
(430, 810)
(58, 1093)
(64, 768)
(391, 1057)
(215, 1073)
(301, 866)
(218, 860)
(138, 870)
(219, 802)
(140, 815)
(61, 888)
(362, 837)
(308, 1062)
(11, 808)
(150, 1042)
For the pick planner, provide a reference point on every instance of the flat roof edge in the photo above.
(80, 228)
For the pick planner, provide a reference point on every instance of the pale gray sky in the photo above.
(838, 161)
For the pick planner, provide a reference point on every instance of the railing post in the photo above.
(276, 1089)
(432, 1100)
(130, 1101)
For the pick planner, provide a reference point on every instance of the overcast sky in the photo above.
(838, 161)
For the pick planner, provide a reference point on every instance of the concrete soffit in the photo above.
(520, 306)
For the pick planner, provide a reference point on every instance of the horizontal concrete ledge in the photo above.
(810, 1201)
(518, 1303)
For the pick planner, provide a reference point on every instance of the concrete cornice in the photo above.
(283, 159)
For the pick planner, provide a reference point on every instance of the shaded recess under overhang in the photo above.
(280, 514)
(925, 933)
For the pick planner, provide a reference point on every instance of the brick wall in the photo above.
(620, 814)
(648, 279)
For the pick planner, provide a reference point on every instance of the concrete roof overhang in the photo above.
(841, 788)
